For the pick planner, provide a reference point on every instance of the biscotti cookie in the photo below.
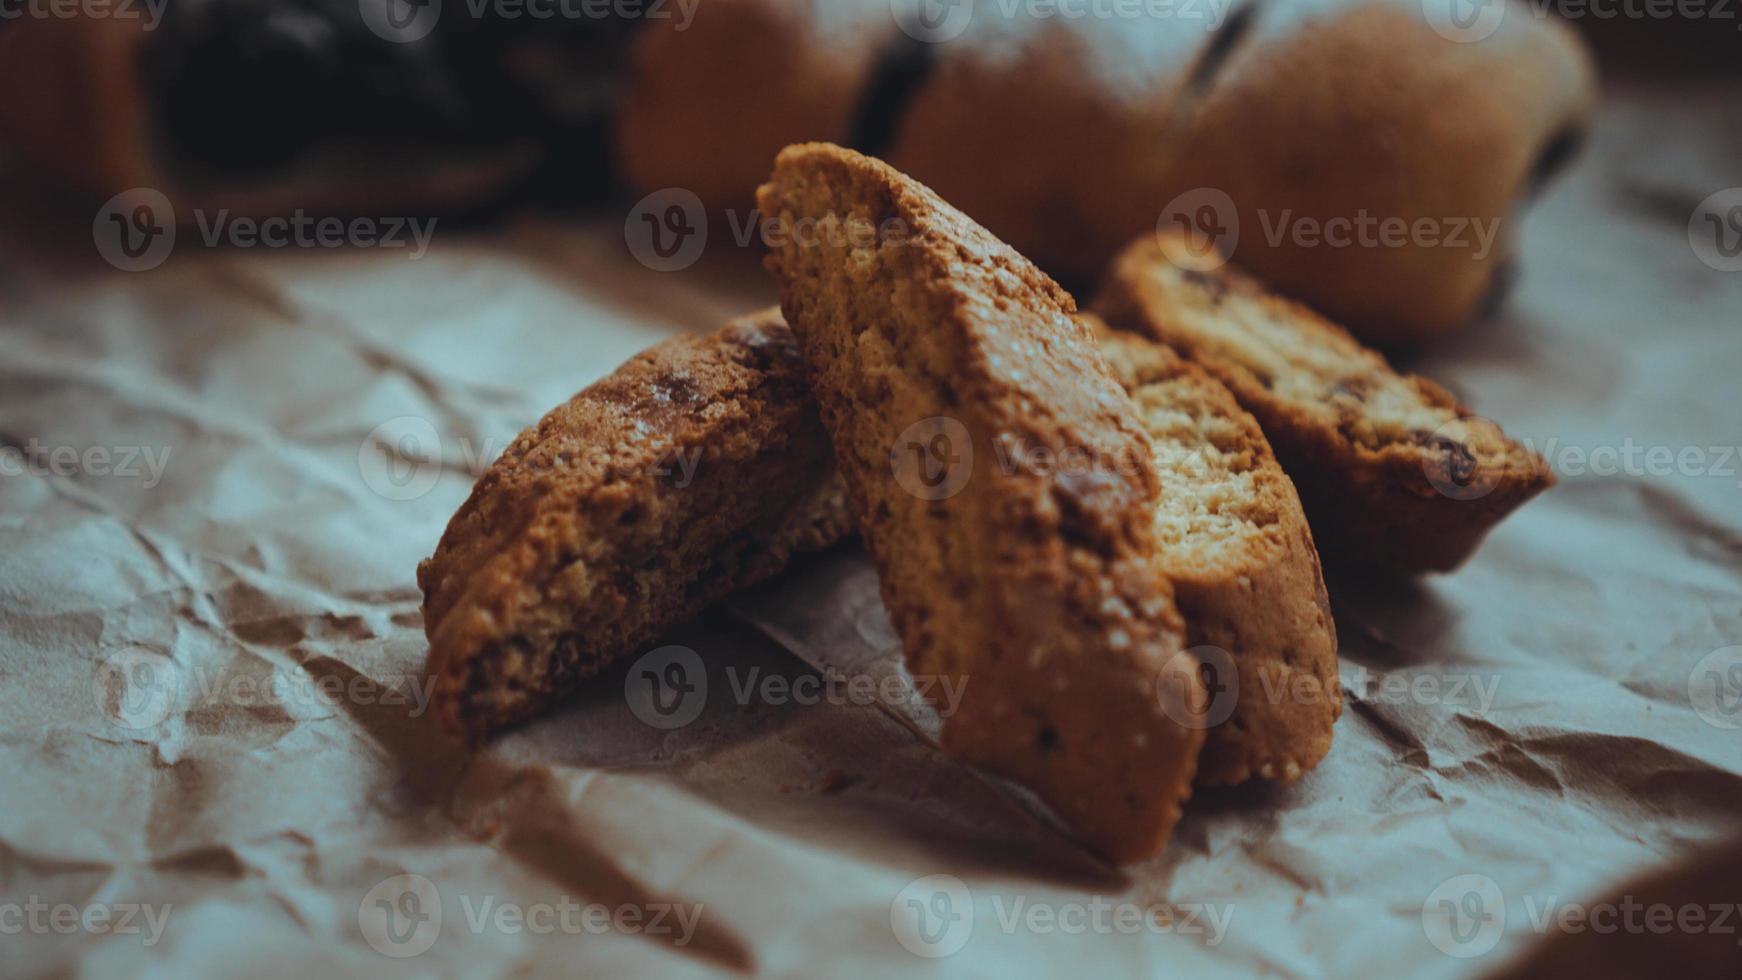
(1392, 469)
(699, 467)
(1245, 574)
(1034, 583)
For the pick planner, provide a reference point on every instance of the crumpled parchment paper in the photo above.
(217, 761)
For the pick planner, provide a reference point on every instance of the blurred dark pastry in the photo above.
(1284, 124)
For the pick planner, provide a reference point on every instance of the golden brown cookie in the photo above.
(1005, 487)
(697, 468)
(1392, 469)
(1245, 574)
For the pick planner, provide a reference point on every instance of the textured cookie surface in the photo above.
(1005, 488)
(695, 469)
(1246, 577)
(1392, 469)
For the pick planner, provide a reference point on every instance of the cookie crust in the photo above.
(696, 469)
(1035, 585)
(1393, 470)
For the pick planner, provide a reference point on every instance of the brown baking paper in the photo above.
(217, 758)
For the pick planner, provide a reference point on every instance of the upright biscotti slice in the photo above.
(1005, 488)
(1392, 469)
(1245, 574)
(697, 468)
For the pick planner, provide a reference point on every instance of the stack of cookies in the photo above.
(1080, 521)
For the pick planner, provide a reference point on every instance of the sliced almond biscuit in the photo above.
(697, 468)
(1235, 544)
(1392, 469)
(1005, 487)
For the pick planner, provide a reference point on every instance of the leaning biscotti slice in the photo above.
(697, 468)
(1392, 469)
(1005, 487)
(1245, 574)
